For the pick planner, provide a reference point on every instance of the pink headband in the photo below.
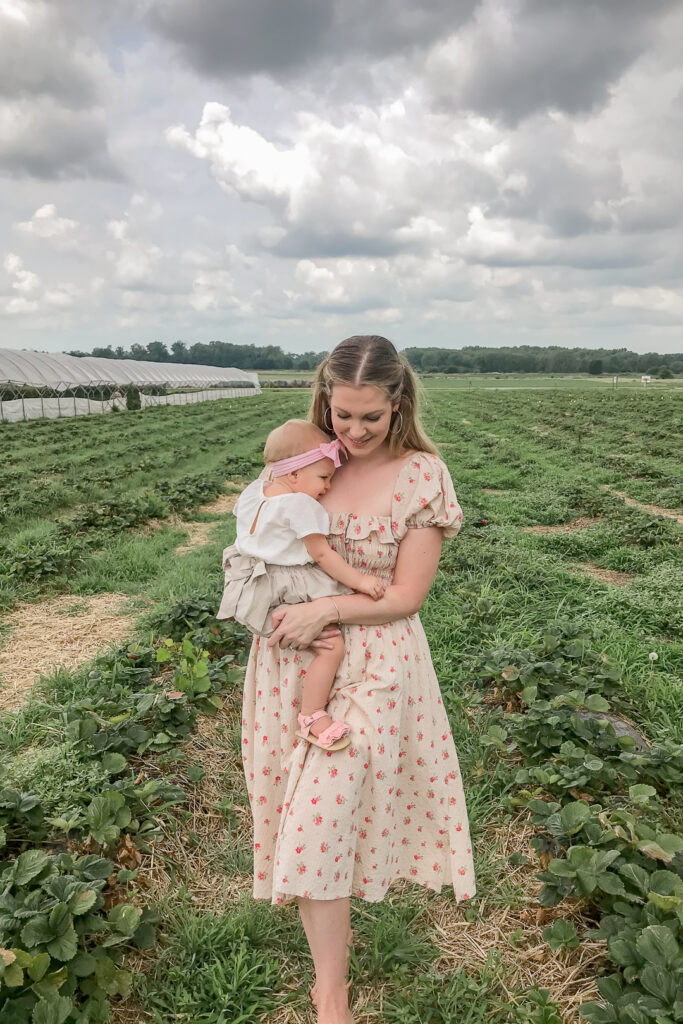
(327, 450)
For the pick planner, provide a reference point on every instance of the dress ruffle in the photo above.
(425, 496)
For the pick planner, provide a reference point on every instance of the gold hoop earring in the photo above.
(401, 427)
(328, 426)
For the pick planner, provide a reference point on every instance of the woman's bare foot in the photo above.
(335, 1010)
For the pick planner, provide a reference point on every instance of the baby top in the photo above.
(282, 523)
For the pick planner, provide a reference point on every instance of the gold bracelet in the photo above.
(336, 608)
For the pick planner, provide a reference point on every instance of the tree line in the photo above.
(537, 359)
(471, 359)
(213, 353)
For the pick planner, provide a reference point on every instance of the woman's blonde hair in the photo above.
(372, 359)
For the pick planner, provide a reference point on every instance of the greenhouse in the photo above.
(36, 385)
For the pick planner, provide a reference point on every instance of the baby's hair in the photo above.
(292, 438)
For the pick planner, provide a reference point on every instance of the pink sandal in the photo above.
(335, 737)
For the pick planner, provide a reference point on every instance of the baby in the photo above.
(281, 556)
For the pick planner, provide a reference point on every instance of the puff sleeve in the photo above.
(425, 496)
(305, 515)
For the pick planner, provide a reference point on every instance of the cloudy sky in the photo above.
(445, 172)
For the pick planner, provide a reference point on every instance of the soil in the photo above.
(199, 532)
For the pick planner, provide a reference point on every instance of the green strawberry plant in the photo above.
(62, 951)
(559, 727)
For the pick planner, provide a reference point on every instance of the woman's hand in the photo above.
(325, 636)
(302, 625)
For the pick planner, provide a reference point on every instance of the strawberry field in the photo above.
(555, 624)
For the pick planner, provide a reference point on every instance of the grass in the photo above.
(498, 586)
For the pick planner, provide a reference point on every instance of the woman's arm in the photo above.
(416, 565)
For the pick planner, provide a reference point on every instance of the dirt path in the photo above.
(617, 579)
(656, 510)
(199, 532)
(582, 523)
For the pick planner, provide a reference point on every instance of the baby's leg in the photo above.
(318, 682)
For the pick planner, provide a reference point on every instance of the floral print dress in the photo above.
(390, 805)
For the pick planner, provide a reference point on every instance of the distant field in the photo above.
(461, 381)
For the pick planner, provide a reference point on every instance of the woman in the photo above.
(391, 805)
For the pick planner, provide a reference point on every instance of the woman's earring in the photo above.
(328, 426)
(401, 427)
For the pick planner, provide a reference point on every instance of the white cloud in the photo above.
(14, 10)
(23, 281)
(28, 294)
(136, 263)
(47, 225)
(660, 300)
(368, 182)
(64, 296)
(243, 161)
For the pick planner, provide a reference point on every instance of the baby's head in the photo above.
(294, 438)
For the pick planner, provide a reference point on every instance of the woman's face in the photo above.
(361, 417)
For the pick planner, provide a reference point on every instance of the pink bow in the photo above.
(330, 450)
(327, 450)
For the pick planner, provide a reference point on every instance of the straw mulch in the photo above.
(656, 510)
(198, 865)
(59, 631)
(618, 579)
(198, 535)
(193, 854)
(222, 505)
(582, 523)
(527, 960)
(199, 532)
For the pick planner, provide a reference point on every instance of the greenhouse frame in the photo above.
(37, 385)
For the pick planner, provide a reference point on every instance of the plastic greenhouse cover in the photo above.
(60, 371)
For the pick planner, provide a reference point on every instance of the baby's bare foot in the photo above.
(320, 725)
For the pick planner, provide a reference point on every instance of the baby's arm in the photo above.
(340, 570)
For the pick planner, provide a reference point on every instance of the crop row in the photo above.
(600, 799)
(131, 456)
(64, 919)
(50, 560)
(627, 434)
